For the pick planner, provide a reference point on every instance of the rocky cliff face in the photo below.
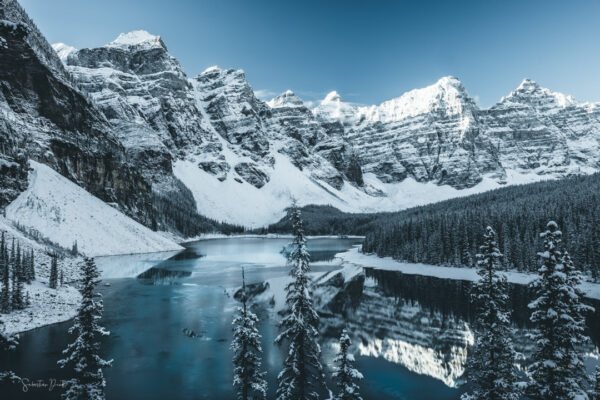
(355, 156)
(127, 123)
(48, 115)
(47, 118)
(439, 134)
(214, 120)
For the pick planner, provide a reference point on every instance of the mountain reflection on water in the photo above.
(423, 323)
(170, 321)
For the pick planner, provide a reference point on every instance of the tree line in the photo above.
(450, 232)
(16, 268)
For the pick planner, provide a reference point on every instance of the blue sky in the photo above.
(369, 51)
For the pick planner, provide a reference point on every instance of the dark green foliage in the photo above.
(83, 355)
(491, 363)
(557, 370)
(327, 220)
(172, 211)
(17, 299)
(346, 375)
(302, 373)
(8, 343)
(247, 377)
(5, 305)
(595, 395)
(449, 231)
(53, 272)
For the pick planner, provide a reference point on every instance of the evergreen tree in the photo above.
(29, 267)
(32, 266)
(346, 375)
(247, 377)
(5, 305)
(595, 393)
(83, 354)
(557, 370)
(302, 373)
(491, 367)
(8, 343)
(17, 301)
(53, 272)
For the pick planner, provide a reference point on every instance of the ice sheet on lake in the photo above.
(130, 266)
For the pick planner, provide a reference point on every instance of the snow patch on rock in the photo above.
(136, 38)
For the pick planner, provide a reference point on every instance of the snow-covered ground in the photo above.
(355, 257)
(243, 204)
(48, 306)
(65, 213)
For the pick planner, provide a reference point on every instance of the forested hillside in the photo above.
(327, 220)
(450, 232)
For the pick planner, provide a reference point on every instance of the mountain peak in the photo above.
(530, 91)
(137, 38)
(211, 69)
(63, 50)
(449, 81)
(286, 99)
(332, 97)
(447, 94)
(528, 85)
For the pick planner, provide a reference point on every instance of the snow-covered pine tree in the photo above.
(53, 272)
(557, 312)
(302, 373)
(83, 354)
(28, 266)
(247, 377)
(595, 392)
(8, 343)
(346, 375)
(574, 360)
(17, 300)
(5, 305)
(32, 267)
(2, 251)
(491, 366)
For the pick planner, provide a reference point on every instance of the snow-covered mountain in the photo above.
(439, 134)
(179, 145)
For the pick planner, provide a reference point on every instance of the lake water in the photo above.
(404, 350)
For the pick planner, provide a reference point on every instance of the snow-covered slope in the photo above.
(65, 213)
(123, 120)
(230, 148)
(439, 134)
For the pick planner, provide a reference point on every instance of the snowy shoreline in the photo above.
(355, 257)
(48, 307)
(212, 236)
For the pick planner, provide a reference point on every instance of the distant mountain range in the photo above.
(126, 123)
